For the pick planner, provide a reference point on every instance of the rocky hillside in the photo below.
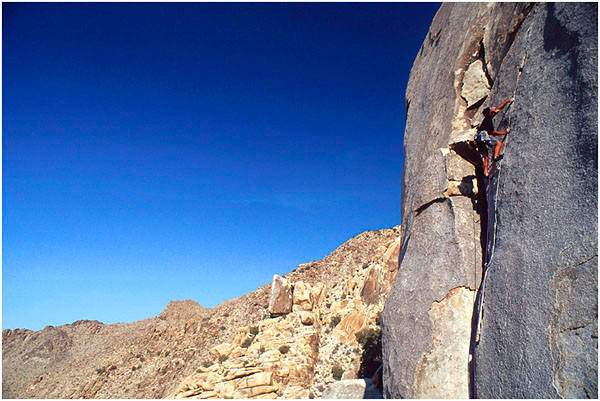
(534, 221)
(291, 342)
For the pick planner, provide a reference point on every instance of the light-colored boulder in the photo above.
(390, 257)
(225, 387)
(241, 336)
(303, 296)
(221, 350)
(462, 138)
(466, 187)
(255, 380)
(281, 298)
(318, 294)
(351, 324)
(351, 389)
(306, 317)
(475, 84)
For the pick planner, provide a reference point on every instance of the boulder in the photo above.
(352, 389)
(303, 298)
(280, 302)
(390, 257)
(241, 336)
(351, 324)
(306, 317)
(255, 380)
(253, 392)
(475, 84)
(371, 290)
(221, 350)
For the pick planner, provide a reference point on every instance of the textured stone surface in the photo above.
(292, 355)
(351, 324)
(475, 84)
(303, 298)
(370, 292)
(436, 371)
(281, 296)
(539, 334)
(351, 390)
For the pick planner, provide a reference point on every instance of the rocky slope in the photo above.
(235, 349)
(539, 327)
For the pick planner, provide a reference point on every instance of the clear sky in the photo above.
(156, 152)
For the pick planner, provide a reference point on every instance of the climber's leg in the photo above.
(485, 164)
(497, 149)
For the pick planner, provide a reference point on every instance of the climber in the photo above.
(484, 139)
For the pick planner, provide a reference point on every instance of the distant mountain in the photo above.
(238, 348)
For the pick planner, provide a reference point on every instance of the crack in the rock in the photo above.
(481, 56)
(422, 208)
(576, 327)
(449, 293)
(585, 261)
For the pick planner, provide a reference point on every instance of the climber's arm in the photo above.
(504, 104)
(494, 132)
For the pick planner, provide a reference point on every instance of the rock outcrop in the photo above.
(541, 307)
(321, 329)
(281, 300)
(238, 349)
(539, 327)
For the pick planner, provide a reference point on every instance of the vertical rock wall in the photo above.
(469, 60)
(540, 328)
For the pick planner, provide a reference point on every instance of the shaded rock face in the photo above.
(541, 309)
(539, 332)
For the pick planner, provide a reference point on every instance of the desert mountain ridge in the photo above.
(150, 358)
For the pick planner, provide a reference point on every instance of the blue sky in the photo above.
(156, 152)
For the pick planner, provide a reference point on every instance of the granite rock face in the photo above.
(540, 328)
(539, 332)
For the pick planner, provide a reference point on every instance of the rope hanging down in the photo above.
(489, 256)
